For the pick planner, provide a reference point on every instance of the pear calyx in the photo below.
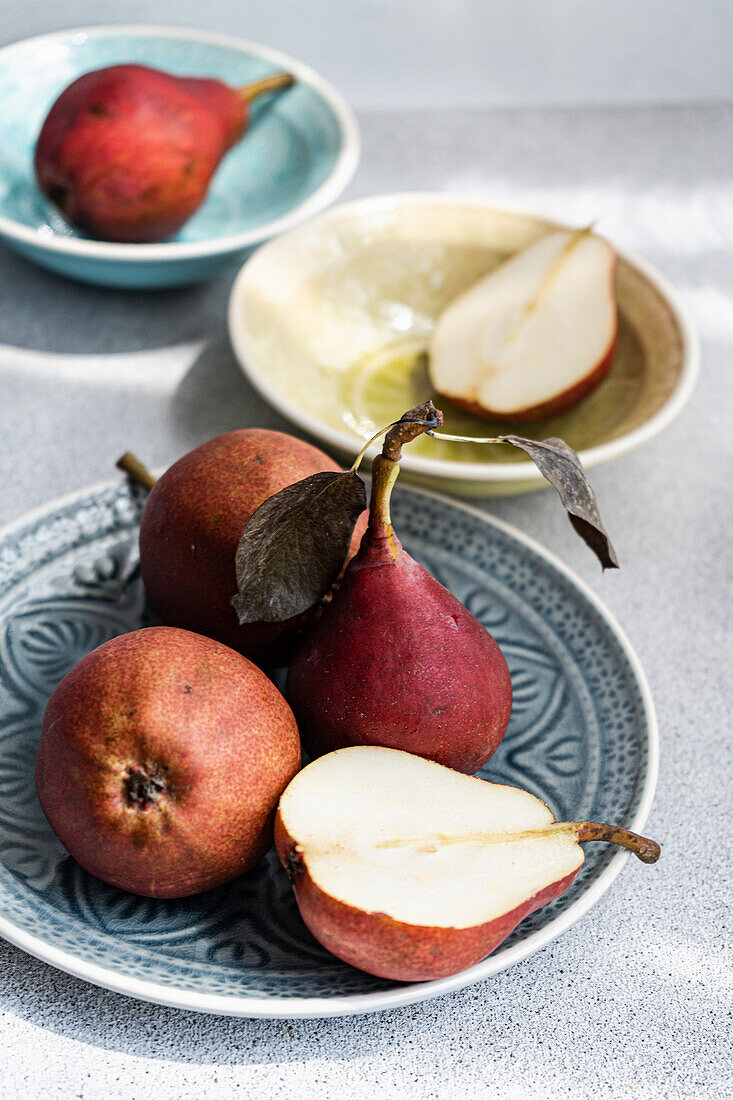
(144, 786)
(294, 863)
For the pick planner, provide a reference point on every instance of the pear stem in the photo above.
(648, 851)
(385, 468)
(135, 470)
(275, 83)
(384, 475)
(423, 418)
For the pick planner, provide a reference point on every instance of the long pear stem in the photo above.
(385, 468)
(383, 431)
(138, 473)
(275, 83)
(384, 475)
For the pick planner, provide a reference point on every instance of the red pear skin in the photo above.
(127, 152)
(380, 945)
(191, 526)
(396, 660)
(161, 761)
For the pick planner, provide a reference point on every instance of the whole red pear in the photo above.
(127, 152)
(396, 660)
(162, 758)
(192, 523)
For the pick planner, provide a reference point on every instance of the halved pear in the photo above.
(411, 871)
(535, 335)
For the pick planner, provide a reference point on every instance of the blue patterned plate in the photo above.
(582, 737)
(299, 153)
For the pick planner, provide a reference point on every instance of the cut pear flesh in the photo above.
(412, 871)
(387, 832)
(535, 334)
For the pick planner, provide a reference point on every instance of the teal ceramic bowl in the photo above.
(300, 152)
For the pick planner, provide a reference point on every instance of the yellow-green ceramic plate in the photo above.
(330, 323)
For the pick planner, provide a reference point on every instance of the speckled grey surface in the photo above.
(635, 1000)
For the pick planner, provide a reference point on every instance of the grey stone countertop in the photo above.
(635, 999)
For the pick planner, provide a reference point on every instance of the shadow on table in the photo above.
(47, 312)
(214, 397)
(496, 1024)
(47, 998)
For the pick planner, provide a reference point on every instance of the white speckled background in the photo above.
(635, 1000)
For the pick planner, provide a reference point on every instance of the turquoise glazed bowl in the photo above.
(300, 152)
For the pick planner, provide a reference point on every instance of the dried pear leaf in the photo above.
(294, 546)
(560, 465)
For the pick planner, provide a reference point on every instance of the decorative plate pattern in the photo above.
(582, 737)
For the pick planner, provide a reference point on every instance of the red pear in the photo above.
(127, 152)
(535, 335)
(396, 659)
(162, 757)
(191, 526)
(411, 871)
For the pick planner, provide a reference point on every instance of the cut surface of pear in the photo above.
(400, 835)
(535, 335)
(409, 870)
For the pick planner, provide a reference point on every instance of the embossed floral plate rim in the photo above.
(249, 1006)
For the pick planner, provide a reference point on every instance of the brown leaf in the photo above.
(294, 546)
(560, 465)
